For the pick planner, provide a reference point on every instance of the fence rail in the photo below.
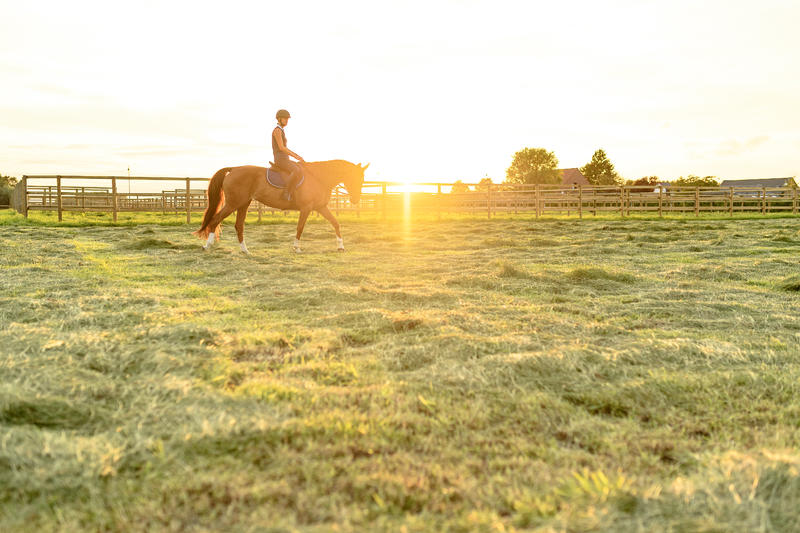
(437, 198)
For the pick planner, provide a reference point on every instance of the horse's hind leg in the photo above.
(241, 214)
(212, 226)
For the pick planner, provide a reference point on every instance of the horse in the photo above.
(233, 188)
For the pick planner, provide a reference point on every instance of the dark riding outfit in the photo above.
(282, 161)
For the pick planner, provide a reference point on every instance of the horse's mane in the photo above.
(333, 164)
(335, 169)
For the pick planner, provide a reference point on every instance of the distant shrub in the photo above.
(645, 181)
(459, 187)
(696, 181)
(7, 184)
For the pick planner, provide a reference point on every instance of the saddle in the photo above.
(279, 179)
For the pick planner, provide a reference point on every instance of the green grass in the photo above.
(454, 375)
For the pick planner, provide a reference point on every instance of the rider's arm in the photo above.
(282, 147)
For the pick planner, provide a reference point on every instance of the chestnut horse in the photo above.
(233, 188)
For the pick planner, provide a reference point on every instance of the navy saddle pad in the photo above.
(278, 179)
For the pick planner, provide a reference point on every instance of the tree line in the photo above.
(539, 166)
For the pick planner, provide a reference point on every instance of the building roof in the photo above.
(573, 176)
(760, 182)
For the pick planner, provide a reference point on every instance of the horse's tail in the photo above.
(216, 199)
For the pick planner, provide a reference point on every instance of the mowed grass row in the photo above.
(462, 375)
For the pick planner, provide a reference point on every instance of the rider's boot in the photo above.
(289, 191)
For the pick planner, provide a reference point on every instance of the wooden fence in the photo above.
(439, 198)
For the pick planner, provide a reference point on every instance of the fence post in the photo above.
(622, 201)
(536, 198)
(660, 200)
(580, 201)
(114, 206)
(730, 202)
(794, 200)
(489, 201)
(439, 201)
(627, 198)
(627, 202)
(763, 200)
(58, 196)
(163, 202)
(697, 201)
(188, 202)
(383, 199)
(24, 192)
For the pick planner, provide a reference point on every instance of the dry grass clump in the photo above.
(509, 269)
(50, 413)
(791, 284)
(498, 242)
(584, 275)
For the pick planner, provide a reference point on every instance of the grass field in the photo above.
(461, 375)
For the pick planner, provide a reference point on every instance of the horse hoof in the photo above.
(297, 250)
(340, 249)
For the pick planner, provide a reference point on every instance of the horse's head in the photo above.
(353, 181)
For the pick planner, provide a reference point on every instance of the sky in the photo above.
(432, 90)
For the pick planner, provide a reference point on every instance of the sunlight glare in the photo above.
(407, 213)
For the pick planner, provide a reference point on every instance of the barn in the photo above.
(572, 177)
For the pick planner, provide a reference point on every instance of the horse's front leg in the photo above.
(301, 223)
(241, 215)
(325, 212)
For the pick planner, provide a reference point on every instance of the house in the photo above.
(751, 186)
(572, 177)
(760, 182)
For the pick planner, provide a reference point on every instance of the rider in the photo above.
(282, 153)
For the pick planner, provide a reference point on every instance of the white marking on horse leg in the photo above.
(296, 246)
(340, 244)
(244, 248)
(210, 242)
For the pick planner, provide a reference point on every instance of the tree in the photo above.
(459, 187)
(8, 181)
(7, 184)
(533, 165)
(483, 184)
(600, 171)
(697, 181)
(645, 181)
